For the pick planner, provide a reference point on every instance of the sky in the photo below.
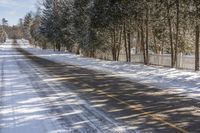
(12, 10)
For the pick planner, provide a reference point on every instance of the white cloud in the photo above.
(17, 3)
(7, 3)
(12, 13)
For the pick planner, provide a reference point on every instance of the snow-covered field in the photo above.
(171, 80)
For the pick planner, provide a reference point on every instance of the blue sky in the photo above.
(12, 10)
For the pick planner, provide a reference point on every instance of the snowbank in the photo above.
(171, 80)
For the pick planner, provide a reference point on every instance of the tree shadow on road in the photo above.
(149, 109)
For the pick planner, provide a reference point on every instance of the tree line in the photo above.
(116, 26)
(3, 27)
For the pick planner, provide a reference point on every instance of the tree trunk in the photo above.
(125, 42)
(114, 45)
(177, 33)
(58, 46)
(162, 47)
(129, 46)
(44, 45)
(92, 53)
(138, 42)
(155, 43)
(197, 49)
(78, 50)
(170, 37)
(147, 36)
(54, 46)
(142, 44)
(120, 43)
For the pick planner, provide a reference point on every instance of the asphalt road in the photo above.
(144, 108)
(31, 101)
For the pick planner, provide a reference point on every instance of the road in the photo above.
(75, 99)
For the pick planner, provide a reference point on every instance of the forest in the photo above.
(115, 27)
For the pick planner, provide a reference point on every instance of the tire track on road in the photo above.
(1, 89)
(51, 67)
(97, 121)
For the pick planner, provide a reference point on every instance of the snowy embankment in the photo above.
(171, 80)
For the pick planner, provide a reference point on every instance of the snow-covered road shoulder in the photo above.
(21, 110)
(171, 80)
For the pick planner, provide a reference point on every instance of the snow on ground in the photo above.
(21, 109)
(27, 106)
(15, 113)
(183, 81)
(171, 80)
